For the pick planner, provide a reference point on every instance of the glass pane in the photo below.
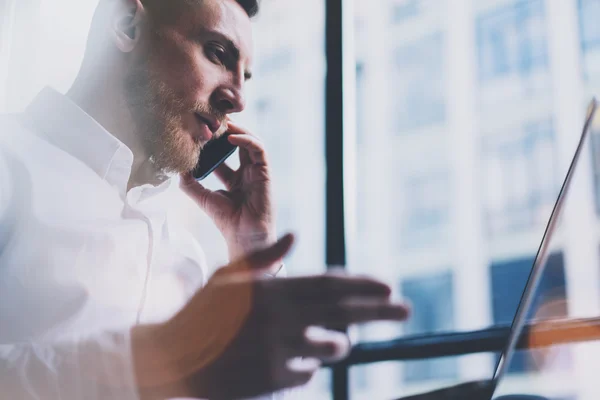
(468, 113)
(590, 51)
(432, 313)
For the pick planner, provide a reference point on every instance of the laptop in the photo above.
(484, 390)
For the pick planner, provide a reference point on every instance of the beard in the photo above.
(158, 113)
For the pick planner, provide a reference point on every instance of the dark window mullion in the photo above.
(334, 137)
(334, 149)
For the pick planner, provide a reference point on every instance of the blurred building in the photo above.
(468, 116)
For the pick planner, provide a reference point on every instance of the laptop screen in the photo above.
(541, 257)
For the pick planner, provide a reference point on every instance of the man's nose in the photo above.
(230, 100)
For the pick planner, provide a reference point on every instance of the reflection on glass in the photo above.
(512, 40)
(433, 311)
(418, 76)
(519, 177)
(425, 211)
(508, 282)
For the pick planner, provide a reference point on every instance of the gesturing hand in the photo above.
(236, 336)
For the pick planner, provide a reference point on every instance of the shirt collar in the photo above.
(67, 126)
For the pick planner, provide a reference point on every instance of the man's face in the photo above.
(186, 77)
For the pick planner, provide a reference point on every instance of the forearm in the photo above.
(156, 377)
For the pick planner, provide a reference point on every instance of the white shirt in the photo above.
(82, 259)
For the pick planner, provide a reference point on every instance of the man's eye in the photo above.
(217, 54)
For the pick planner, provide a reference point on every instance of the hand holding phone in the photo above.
(214, 153)
(243, 210)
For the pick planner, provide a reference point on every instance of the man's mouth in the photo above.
(213, 123)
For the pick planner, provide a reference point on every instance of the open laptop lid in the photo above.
(541, 257)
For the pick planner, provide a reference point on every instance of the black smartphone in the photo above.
(214, 153)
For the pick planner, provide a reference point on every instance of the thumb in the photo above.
(262, 260)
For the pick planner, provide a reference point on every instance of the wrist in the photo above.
(240, 245)
(155, 372)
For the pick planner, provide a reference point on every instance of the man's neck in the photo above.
(101, 96)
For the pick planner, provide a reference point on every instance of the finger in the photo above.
(298, 378)
(236, 129)
(225, 174)
(205, 198)
(345, 314)
(326, 345)
(254, 148)
(244, 154)
(331, 288)
(244, 157)
(265, 258)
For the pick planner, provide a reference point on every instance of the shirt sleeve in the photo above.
(92, 368)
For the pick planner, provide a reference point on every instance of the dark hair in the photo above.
(163, 6)
(250, 6)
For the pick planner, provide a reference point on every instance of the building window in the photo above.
(431, 299)
(589, 13)
(361, 132)
(270, 125)
(419, 90)
(508, 283)
(512, 40)
(519, 178)
(595, 149)
(403, 10)
(360, 373)
(275, 62)
(425, 210)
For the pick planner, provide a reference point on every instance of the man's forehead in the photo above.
(225, 18)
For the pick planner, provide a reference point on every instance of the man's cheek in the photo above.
(187, 83)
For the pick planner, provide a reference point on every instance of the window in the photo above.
(432, 311)
(508, 279)
(418, 79)
(361, 130)
(589, 11)
(360, 374)
(512, 40)
(520, 179)
(423, 209)
(595, 150)
(407, 118)
(275, 62)
(405, 9)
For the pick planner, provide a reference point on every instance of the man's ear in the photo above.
(126, 24)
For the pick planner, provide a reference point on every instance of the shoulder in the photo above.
(17, 139)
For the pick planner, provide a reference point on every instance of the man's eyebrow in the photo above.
(231, 47)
